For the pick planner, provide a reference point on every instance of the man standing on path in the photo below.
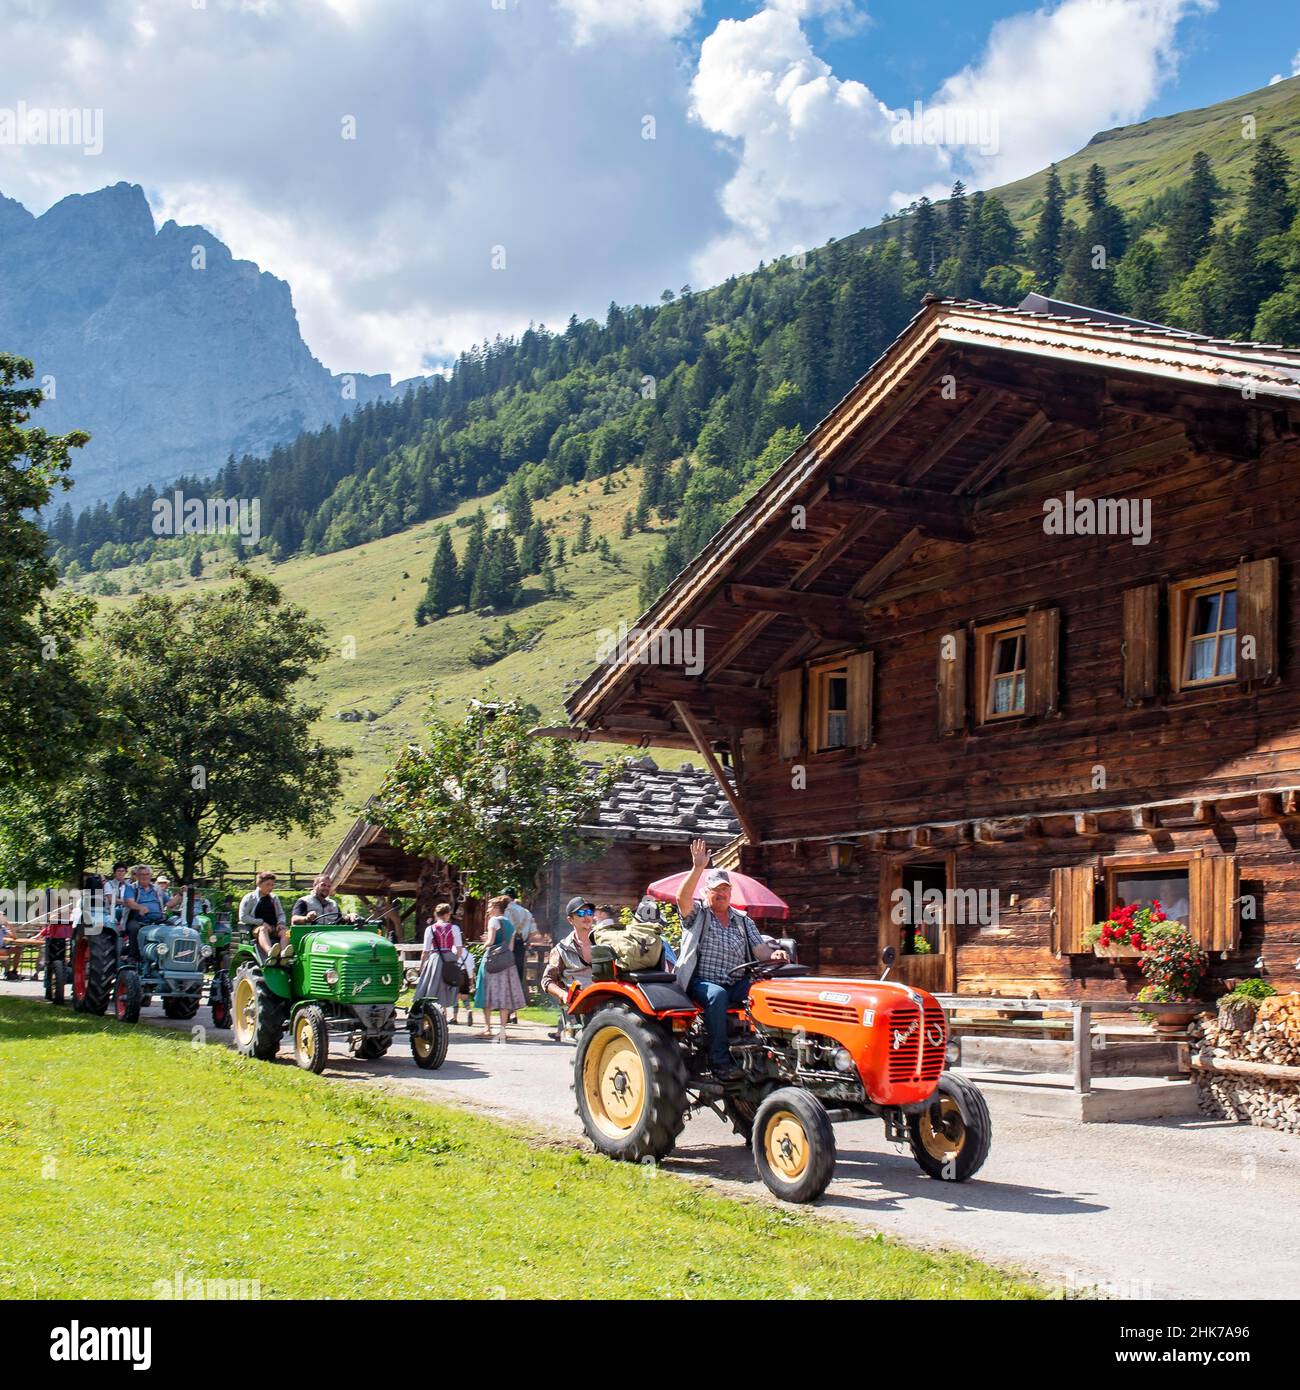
(715, 940)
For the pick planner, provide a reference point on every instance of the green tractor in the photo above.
(344, 979)
(215, 932)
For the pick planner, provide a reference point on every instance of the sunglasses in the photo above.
(585, 912)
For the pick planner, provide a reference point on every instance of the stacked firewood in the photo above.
(1261, 1031)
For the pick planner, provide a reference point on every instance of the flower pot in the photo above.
(1172, 1022)
(1117, 952)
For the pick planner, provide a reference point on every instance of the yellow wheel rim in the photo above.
(937, 1142)
(304, 1037)
(613, 1081)
(423, 1040)
(786, 1145)
(244, 1008)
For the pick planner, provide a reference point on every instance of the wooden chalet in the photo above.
(641, 831)
(942, 658)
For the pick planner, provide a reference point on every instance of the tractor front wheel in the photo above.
(948, 1144)
(181, 1005)
(429, 1035)
(126, 997)
(794, 1145)
(311, 1039)
(257, 1015)
(631, 1086)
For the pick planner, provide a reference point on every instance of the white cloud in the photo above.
(665, 18)
(814, 153)
(1054, 77)
(476, 127)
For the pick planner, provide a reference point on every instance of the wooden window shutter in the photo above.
(891, 880)
(1141, 643)
(862, 667)
(1043, 660)
(1074, 909)
(789, 713)
(951, 684)
(1257, 619)
(1214, 885)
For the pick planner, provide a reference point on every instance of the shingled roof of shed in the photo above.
(667, 805)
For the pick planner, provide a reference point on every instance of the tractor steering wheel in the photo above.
(758, 968)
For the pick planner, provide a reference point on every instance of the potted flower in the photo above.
(1124, 935)
(1174, 966)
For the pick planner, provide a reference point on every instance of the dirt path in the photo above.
(1155, 1209)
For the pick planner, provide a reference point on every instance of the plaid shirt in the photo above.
(723, 945)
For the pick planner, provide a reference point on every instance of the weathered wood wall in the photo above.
(1207, 514)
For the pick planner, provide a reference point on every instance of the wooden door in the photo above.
(907, 889)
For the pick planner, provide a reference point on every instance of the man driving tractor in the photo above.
(318, 907)
(716, 939)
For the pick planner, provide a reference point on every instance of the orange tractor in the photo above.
(811, 1050)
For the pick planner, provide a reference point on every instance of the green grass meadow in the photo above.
(137, 1160)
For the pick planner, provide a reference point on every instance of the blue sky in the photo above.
(427, 174)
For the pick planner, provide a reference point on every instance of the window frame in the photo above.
(1115, 866)
(1183, 594)
(987, 638)
(820, 674)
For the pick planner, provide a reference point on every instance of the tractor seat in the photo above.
(648, 977)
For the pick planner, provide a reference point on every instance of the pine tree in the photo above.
(629, 522)
(473, 560)
(1045, 249)
(583, 543)
(812, 352)
(519, 507)
(956, 221)
(1191, 227)
(1106, 226)
(535, 550)
(559, 551)
(923, 243)
(443, 591)
(999, 241)
(1270, 201)
(196, 564)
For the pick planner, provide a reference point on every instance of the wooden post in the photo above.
(1082, 1047)
(710, 758)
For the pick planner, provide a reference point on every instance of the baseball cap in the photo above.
(715, 878)
(575, 904)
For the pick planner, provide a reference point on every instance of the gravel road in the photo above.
(1152, 1209)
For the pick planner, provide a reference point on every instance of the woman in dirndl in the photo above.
(498, 989)
(440, 964)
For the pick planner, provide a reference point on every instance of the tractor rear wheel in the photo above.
(794, 1145)
(257, 1015)
(181, 1005)
(126, 996)
(311, 1038)
(630, 1084)
(429, 1036)
(94, 962)
(949, 1146)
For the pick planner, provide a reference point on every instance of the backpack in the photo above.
(637, 946)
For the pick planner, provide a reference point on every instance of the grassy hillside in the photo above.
(1143, 161)
(368, 595)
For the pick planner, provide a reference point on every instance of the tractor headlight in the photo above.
(206, 951)
(161, 948)
(331, 976)
(844, 1060)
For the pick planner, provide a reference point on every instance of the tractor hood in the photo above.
(176, 948)
(366, 966)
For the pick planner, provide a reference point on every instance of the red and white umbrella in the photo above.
(747, 894)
